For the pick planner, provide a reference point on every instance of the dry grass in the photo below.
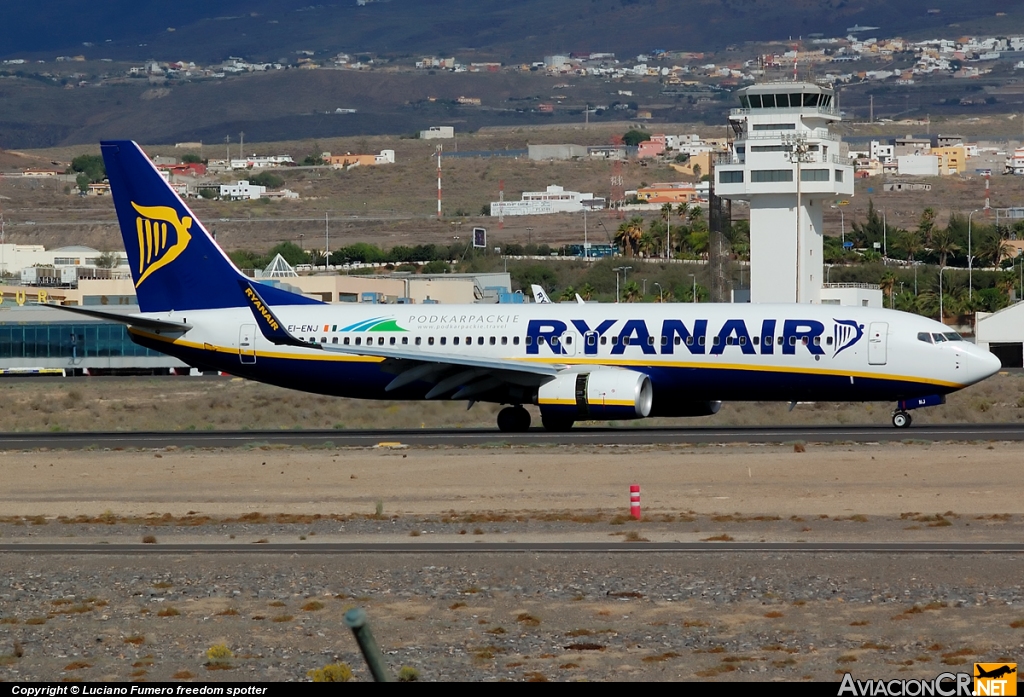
(168, 612)
(313, 606)
(135, 639)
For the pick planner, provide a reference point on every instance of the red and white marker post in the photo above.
(634, 501)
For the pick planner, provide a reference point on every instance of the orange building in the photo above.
(669, 192)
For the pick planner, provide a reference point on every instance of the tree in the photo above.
(926, 224)
(628, 235)
(83, 181)
(90, 165)
(267, 179)
(943, 244)
(634, 137)
(886, 285)
(696, 171)
(290, 252)
(108, 260)
(569, 294)
(911, 242)
(586, 291)
(190, 158)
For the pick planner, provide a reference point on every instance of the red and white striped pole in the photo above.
(634, 501)
(438, 182)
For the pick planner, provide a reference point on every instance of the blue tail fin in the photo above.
(175, 263)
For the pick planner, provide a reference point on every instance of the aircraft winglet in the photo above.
(270, 326)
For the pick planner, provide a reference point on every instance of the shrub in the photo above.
(218, 654)
(333, 672)
(408, 674)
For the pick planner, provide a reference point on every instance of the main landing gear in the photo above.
(513, 420)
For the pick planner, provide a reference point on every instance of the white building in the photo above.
(554, 200)
(435, 132)
(15, 258)
(254, 162)
(918, 165)
(1002, 333)
(241, 190)
(882, 152)
(789, 166)
(1015, 162)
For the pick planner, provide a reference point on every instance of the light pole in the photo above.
(661, 292)
(623, 269)
(694, 277)
(529, 235)
(970, 258)
(941, 269)
(645, 288)
(842, 225)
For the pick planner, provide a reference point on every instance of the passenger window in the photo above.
(804, 341)
(419, 340)
(568, 340)
(529, 340)
(591, 340)
(664, 341)
(492, 341)
(828, 341)
(540, 340)
(743, 341)
(650, 341)
(430, 340)
(689, 341)
(515, 340)
(469, 341)
(345, 341)
(767, 341)
(444, 340)
(553, 341)
(615, 339)
(405, 341)
(380, 341)
(604, 340)
(729, 341)
(359, 340)
(323, 340)
(717, 341)
(792, 341)
(392, 342)
(701, 341)
(817, 341)
(479, 341)
(679, 340)
(755, 339)
(504, 341)
(334, 339)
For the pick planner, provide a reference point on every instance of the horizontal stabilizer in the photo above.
(123, 318)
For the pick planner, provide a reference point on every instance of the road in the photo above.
(471, 437)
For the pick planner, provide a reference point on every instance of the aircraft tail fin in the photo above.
(175, 263)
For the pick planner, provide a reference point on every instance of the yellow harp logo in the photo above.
(159, 246)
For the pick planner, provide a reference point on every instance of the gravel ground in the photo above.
(511, 617)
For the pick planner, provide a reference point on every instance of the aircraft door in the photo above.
(570, 342)
(877, 340)
(247, 344)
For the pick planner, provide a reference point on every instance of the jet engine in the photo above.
(608, 393)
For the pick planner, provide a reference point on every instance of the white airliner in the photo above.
(576, 362)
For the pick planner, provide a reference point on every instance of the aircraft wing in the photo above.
(124, 318)
(462, 376)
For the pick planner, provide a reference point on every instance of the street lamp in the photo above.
(694, 277)
(529, 235)
(941, 269)
(842, 224)
(970, 258)
(661, 292)
(623, 269)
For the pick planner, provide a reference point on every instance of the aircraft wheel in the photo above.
(901, 419)
(513, 420)
(558, 424)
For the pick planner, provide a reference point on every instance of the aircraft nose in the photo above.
(982, 364)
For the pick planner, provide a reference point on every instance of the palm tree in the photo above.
(943, 244)
(911, 241)
(628, 235)
(927, 224)
(586, 291)
(631, 292)
(992, 248)
(666, 215)
(886, 284)
(569, 294)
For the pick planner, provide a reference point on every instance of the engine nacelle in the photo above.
(602, 394)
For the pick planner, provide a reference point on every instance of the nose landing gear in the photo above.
(900, 416)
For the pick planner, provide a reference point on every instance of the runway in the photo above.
(435, 548)
(472, 437)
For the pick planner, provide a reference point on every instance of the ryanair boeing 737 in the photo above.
(575, 362)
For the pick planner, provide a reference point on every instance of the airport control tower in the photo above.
(789, 166)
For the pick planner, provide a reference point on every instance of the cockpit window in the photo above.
(953, 336)
(939, 337)
(925, 337)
